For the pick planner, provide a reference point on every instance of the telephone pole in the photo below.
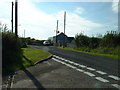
(64, 27)
(56, 32)
(12, 17)
(64, 21)
(16, 18)
(24, 33)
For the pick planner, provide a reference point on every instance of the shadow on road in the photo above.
(32, 77)
(34, 80)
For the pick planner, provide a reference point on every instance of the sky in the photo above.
(39, 18)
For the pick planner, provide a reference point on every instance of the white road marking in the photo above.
(100, 72)
(70, 66)
(116, 85)
(101, 79)
(63, 59)
(58, 57)
(87, 73)
(90, 74)
(114, 77)
(82, 66)
(89, 68)
(71, 62)
(64, 63)
(76, 64)
(80, 70)
(92, 69)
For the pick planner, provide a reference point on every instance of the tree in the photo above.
(81, 40)
(111, 39)
(94, 42)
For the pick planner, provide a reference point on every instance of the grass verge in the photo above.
(26, 57)
(92, 53)
(31, 55)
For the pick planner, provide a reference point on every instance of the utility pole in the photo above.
(56, 32)
(24, 33)
(12, 17)
(16, 18)
(64, 21)
(64, 27)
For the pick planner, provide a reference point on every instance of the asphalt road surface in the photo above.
(108, 65)
(52, 74)
(68, 69)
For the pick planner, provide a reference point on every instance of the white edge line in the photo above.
(116, 85)
(90, 74)
(100, 72)
(101, 79)
(114, 77)
(89, 68)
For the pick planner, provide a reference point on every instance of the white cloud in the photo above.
(115, 6)
(79, 10)
(41, 25)
(73, 0)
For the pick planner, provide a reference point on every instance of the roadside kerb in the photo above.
(40, 61)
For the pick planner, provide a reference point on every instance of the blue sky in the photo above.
(39, 18)
(99, 12)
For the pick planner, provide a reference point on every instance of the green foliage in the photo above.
(111, 39)
(10, 42)
(29, 41)
(11, 52)
(85, 41)
(81, 40)
(94, 42)
(23, 42)
(109, 44)
(97, 51)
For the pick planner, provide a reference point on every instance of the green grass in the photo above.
(33, 55)
(18, 61)
(92, 52)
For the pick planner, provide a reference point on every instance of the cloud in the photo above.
(115, 6)
(41, 25)
(79, 10)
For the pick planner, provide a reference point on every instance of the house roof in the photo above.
(60, 34)
(69, 38)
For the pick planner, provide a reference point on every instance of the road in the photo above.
(52, 74)
(104, 64)
(68, 69)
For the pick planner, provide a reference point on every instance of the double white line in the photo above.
(65, 62)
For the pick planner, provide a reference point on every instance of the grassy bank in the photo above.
(31, 55)
(26, 57)
(106, 52)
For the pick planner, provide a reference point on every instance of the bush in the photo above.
(81, 40)
(109, 44)
(94, 42)
(111, 39)
(11, 52)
